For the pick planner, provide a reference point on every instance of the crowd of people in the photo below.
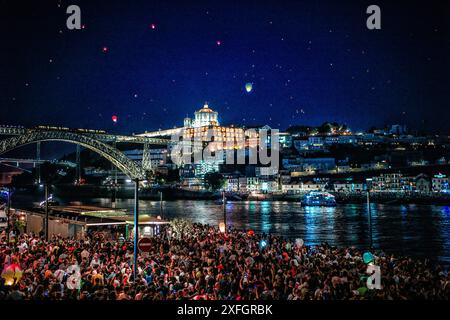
(204, 264)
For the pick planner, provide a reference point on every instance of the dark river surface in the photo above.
(416, 230)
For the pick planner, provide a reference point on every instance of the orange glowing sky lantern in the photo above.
(12, 274)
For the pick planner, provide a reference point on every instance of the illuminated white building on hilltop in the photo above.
(205, 128)
(204, 117)
(205, 125)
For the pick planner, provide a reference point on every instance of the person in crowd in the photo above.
(204, 264)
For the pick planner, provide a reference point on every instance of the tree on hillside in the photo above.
(325, 128)
(214, 181)
(299, 130)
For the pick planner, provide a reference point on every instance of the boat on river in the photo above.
(318, 199)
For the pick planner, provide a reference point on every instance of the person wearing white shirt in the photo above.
(95, 260)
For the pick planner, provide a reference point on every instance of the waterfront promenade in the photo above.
(171, 193)
(413, 230)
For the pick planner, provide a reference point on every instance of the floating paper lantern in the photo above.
(12, 274)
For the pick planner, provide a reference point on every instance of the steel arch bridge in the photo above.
(115, 156)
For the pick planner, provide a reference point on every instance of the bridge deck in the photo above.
(105, 137)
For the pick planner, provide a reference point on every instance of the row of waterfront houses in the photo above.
(389, 182)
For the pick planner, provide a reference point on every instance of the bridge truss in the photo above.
(104, 137)
(115, 156)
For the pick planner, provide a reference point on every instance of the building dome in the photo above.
(205, 117)
(206, 109)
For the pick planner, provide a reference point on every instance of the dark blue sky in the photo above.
(309, 62)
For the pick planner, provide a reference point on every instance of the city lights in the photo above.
(236, 154)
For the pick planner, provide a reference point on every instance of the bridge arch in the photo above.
(118, 158)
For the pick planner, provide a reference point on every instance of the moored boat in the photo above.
(320, 199)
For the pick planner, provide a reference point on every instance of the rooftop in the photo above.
(206, 109)
(96, 216)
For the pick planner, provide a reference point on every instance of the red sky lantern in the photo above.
(114, 119)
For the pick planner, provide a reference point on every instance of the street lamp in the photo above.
(369, 217)
(8, 207)
(136, 228)
(224, 212)
(161, 204)
(46, 211)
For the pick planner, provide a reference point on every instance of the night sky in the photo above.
(309, 62)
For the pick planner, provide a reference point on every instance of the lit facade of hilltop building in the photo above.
(203, 117)
(205, 127)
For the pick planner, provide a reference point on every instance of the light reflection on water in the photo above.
(420, 230)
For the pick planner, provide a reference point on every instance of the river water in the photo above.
(416, 230)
